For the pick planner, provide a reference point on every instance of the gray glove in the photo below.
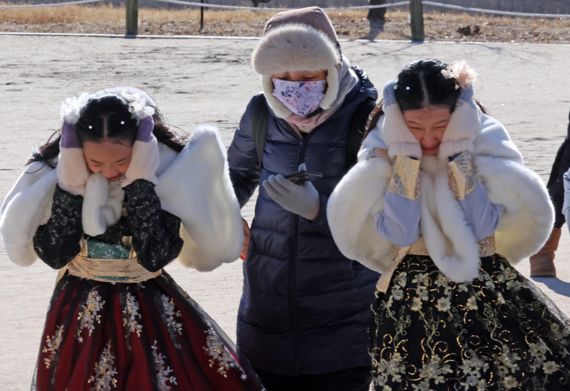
(302, 200)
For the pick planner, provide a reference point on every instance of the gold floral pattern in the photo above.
(219, 355)
(131, 316)
(52, 345)
(89, 314)
(405, 177)
(462, 175)
(164, 373)
(104, 378)
(497, 333)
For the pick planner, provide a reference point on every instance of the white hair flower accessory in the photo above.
(71, 108)
(137, 102)
(140, 104)
(463, 74)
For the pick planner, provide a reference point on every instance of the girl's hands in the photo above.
(145, 158)
(72, 172)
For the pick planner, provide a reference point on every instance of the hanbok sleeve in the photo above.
(399, 221)
(155, 233)
(57, 242)
(482, 215)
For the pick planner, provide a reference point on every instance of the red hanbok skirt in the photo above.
(143, 336)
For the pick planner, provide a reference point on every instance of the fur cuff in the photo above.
(72, 172)
(144, 163)
(529, 216)
(465, 121)
(205, 201)
(452, 247)
(352, 210)
(394, 128)
(27, 209)
(101, 206)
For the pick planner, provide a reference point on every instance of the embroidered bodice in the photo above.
(154, 232)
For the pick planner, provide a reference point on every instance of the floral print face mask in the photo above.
(301, 97)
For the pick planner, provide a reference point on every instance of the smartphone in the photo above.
(301, 177)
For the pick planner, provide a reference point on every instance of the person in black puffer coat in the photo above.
(304, 312)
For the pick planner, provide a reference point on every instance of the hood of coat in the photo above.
(302, 40)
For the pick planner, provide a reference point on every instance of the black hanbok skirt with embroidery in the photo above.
(497, 333)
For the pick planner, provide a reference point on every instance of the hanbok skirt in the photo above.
(497, 333)
(134, 336)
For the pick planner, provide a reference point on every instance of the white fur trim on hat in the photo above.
(294, 47)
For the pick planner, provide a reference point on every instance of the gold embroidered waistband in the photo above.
(109, 270)
(486, 249)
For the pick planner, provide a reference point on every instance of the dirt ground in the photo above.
(210, 80)
(350, 24)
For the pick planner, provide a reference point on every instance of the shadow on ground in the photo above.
(556, 285)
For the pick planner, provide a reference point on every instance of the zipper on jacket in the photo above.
(292, 277)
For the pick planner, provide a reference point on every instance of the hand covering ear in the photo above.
(302, 200)
(395, 133)
(145, 157)
(72, 172)
(462, 127)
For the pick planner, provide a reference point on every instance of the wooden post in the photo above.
(417, 20)
(132, 17)
(201, 17)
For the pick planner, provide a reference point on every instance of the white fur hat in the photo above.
(298, 40)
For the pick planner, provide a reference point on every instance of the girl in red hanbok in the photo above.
(110, 203)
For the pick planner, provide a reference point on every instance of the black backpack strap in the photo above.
(357, 130)
(260, 119)
(356, 133)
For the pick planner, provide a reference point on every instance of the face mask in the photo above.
(301, 97)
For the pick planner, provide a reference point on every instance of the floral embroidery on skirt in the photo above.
(497, 333)
(147, 336)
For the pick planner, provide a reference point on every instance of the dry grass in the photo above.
(349, 24)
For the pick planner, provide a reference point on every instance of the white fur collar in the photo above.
(464, 124)
(524, 226)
